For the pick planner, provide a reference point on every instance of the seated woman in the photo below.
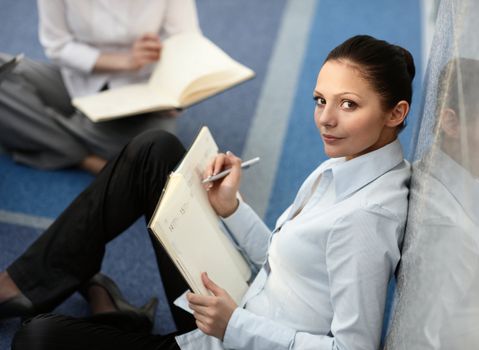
(92, 46)
(325, 268)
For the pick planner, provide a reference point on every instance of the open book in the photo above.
(191, 68)
(190, 231)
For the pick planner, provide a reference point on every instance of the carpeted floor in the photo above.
(285, 43)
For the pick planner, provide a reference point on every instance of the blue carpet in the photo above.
(130, 259)
(248, 31)
(40, 193)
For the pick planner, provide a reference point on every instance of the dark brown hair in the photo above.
(388, 68)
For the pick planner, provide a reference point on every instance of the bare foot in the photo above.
(8, 288)
(93, 164)
(100, 300)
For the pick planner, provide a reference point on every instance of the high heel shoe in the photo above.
(18, 306)
(149, 310)
(119, 301)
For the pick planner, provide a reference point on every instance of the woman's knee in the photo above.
(156, 144)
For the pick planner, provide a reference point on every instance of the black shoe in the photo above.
(7, 67)
(119, 301)
(18, 306)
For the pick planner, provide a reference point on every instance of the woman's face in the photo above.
(348, 112)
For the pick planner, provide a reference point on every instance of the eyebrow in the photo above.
(316, 92)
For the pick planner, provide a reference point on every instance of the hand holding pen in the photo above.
(222, 180)
(244, 165)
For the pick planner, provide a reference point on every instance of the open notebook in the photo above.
(191, 69)
(190, 231)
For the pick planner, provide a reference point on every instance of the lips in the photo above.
(330, 138)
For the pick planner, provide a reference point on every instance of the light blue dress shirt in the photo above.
(325, 271)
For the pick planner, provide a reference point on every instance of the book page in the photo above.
(123, 101)
(214, 83)
(193, 239)
(184, 220)
(187, 57)
(201, 153)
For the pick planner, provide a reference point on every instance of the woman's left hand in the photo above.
(212, 313)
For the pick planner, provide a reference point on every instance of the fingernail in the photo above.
(229, 153)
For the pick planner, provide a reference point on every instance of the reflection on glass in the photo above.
(437, 299)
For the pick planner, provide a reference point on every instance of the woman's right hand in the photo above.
(222, 193)
(145, 50)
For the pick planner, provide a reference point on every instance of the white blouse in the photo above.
(325, 271)
(74, 32)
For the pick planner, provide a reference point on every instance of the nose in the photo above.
(326, 116)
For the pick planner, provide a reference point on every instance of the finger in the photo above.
(234, 163)
(202, 326)
(219, 163)
(150, 46)
(201, 310)
(210, 285)
(232, 160)
(149, 56)
(209, 168)
(201, 318)
(150, 36)
(199, 300)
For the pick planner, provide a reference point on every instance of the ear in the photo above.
(398, 114)
(449, 123)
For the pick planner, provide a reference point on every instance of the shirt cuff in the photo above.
(236, 221)
(80, 57)
(246, 330)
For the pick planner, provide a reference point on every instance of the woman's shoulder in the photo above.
(388, 194)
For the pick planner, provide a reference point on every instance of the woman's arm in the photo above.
(57, 40)
(361, 255)
(246, 227)
(65, 49)
(250, 232)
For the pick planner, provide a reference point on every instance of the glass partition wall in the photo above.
(437, 295)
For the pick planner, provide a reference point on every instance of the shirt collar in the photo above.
(356, 173)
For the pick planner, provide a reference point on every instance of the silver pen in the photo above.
(222, 174)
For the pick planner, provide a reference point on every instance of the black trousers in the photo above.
(71, 250)
(116, 330)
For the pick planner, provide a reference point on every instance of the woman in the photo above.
(324, 271)
(94, 45)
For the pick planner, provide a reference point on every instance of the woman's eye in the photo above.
(319, 101)
(348, 104)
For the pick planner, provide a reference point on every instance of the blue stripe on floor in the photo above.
(247, 31)
(270, 121)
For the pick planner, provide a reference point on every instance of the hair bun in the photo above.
(409, 60)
